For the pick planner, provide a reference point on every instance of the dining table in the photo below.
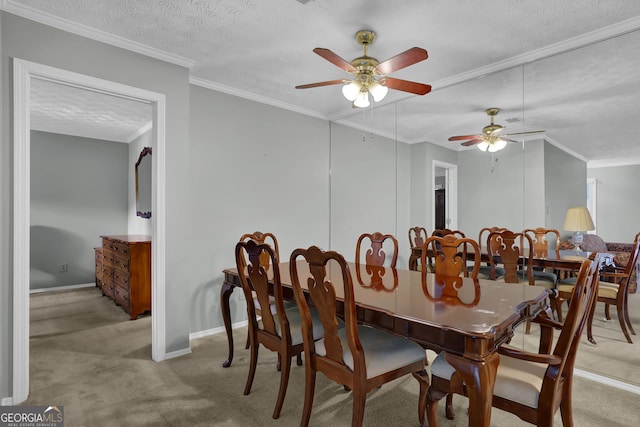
(561, 260)
(468, 319)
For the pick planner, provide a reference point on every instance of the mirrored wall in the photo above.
(383, 160)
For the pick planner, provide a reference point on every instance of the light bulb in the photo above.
(483, 146)
(351, 90)
(501, 143)
(362, 100)
(378, 91)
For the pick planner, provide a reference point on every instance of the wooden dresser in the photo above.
(126, 272)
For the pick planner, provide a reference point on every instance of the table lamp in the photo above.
(578, 219)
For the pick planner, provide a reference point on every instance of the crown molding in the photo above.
(219, 87)
(601, 34)
(139, 132)
(92, 33)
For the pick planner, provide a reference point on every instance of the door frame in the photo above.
(451, 193)
(23, 73)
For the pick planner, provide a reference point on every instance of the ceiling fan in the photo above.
(370, 75)
(491, 139)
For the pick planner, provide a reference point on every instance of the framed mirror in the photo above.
(143, 183)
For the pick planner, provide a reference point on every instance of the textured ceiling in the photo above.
(534, 60)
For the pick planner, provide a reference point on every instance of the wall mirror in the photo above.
(143, 183)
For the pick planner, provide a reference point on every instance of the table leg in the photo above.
(479, 377)
(225, 293)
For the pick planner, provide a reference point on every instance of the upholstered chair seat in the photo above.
(384, 352)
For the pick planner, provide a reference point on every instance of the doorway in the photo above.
(445, 196)
(23, 73)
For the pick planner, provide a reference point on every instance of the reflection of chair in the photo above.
(564, 290)
(359, 357)
(450, 255)
(280, 328)
(540, 238)
(417, 236)
(445, 232)
(450, 265)
(485, 270)
(530, 385)
(375, 253)
(615, 291)
(507, 252)
(375, 277)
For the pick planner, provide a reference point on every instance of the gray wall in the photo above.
(618, 204)
(35, 42)
(565, 185)
(78, 192)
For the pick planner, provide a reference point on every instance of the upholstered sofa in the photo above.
(621, 252)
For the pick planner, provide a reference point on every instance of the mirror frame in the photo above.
(146, 151)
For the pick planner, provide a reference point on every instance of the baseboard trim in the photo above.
(61, 288)
(607, 381)
(218, 330)
(176, 353)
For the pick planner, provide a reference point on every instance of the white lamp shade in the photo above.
(483, 146)
(378, 91)
(578, 219)
(362, 99)
(351, 90)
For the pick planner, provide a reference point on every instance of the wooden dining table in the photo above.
(469, 320)
(563, 260)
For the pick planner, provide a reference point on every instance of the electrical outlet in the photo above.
(63, 268)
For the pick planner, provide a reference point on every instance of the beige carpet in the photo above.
(87, 356)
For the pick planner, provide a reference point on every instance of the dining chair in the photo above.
(450, 256)
(279, 329)
(441, 232)
(360, 358)
(267, 238)
(532, 386)
(615, 291)
(375, 254)
(485, 270)
(540, 238)
(564, 290)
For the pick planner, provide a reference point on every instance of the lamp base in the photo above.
(577, 239)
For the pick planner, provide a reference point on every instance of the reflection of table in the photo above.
(469, 333)
(567, 260)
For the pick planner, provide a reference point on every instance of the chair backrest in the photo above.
(417, 236)
(582, 300)
(633, 257)
(451, 255)
(487, 230)
(267, 238)
(540, 239)
(322, 295)
(250, 257)
(441, 232)
(375, 253)
(503, 248)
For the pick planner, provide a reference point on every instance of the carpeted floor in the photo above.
(88, 357)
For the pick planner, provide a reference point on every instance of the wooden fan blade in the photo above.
(524, 133)
(402, 60)
(472, 142)
(335, 59)
(407, 86)
(327, 83)
(460, 137)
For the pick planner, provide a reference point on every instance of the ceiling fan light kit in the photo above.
(370, 75)
(491, 139)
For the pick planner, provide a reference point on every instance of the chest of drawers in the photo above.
(126, 272)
